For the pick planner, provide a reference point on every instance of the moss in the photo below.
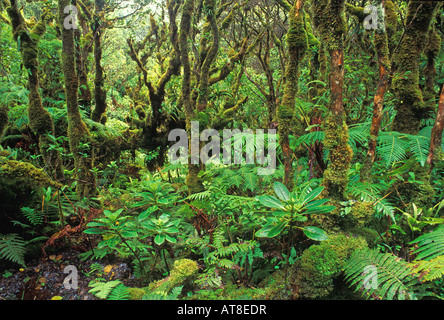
(183, 270)
(410, 107)
(136, 293)
(329, 20)
(321, 264)
(230, 292)
(3, 119)
(336, 141)
(20, 174)
(358, 12)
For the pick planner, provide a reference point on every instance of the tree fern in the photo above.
(430, 245)
(13, 248)
(391, 147)
(380, 275)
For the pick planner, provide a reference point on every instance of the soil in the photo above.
(43, 278)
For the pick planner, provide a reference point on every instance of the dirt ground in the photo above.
(43, 278)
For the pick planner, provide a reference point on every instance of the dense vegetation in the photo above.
(347, 95)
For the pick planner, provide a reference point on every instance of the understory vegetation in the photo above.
(349, 96)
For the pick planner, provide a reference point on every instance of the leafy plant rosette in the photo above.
(290, 209)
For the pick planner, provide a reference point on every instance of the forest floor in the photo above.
(43, 278)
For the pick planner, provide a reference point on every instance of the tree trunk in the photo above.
(410, 109)
(382, 50)
(99, 92)
(78, 134)
(436, 136)
(40, 120)
(297, 42)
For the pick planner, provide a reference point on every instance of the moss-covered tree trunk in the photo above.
(78, 134)
(435, 151)
(297, 43)
(329, 20)
(410, 107)
(382, 51)
(40, 120)
(99, 80)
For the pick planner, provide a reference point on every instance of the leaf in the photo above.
(312, 195)
(281, 191)
(315, 233)
(159, 239)
(271, 202)
(276, 230)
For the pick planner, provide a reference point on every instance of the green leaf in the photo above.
(281, 191)
(276, 230)
(159, 239)
(312, 195)
(315, 233)
(263, 232)
(271, 202)
(94, 231)
(144, 214)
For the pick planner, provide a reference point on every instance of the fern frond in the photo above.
(430, 245)
(13, 248)
(430, 270)
(392, 147)
(419, 146)
(35, 217)
(120, 292)
(102, 289)
(380, 274)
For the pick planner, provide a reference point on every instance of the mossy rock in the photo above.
(321, 264)
(183, 270)
(313, 276)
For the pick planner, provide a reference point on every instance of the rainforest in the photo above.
(211, 150)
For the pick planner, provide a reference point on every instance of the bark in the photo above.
(436, 136)
(99, 80)
(40, 120)
(382, 50)
(410, 108)
(330, 23)
(297, 42)
(78, 133)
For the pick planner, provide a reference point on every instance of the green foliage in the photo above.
(292, 208)
(381, 275)
(102, 290)
(13, 248)
(430, 245)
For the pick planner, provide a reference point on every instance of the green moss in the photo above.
(336, 141)
(321, 264)
(23, 175)
(3, 119)
(183, 269)
(410, 107)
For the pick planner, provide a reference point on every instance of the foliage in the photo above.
(13, 248)
(293, 208)
(381, 275)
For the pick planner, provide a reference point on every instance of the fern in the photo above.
(35, 217)
(430, 245)
(430, 270)
(393, 277)
(120, 292)
(13, 248)
(173, 295)
(103, 289)
(391, 147)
